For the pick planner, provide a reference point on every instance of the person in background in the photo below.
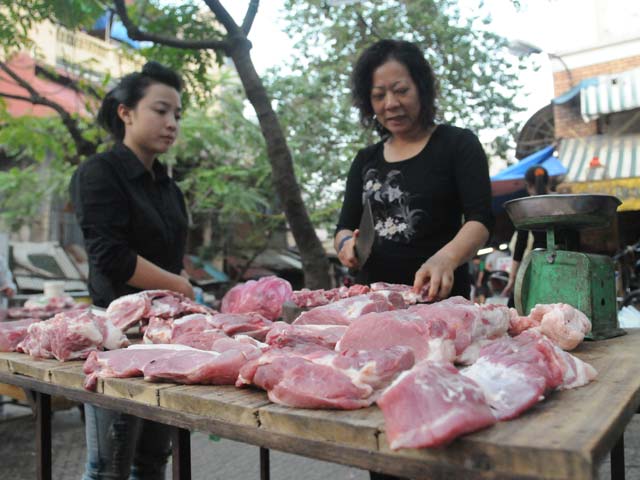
(537, 183)
(7, 285)
(134, 221)
(7, 290)
(476, 266)
(428, 183)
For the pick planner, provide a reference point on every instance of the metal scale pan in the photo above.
(566, 212)
(561, 275)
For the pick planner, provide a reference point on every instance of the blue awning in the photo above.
(571, 93)
(518, 170)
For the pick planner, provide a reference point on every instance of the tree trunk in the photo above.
(314, 260)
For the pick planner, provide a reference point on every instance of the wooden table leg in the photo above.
(265, 473)
(617, 460)
(181, 453)
(43, 435)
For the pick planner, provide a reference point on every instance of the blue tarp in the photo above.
(509, 183)
(517, 170)
(118, 30)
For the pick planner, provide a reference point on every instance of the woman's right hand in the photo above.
(347, 254)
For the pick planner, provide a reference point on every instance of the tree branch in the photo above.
(136, 34)
(15, 97)
(83, 146)
(223, 16)
(247, 23)
(368, 26)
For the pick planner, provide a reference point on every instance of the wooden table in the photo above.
(564, 437)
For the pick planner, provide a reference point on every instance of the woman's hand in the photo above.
(347, 254)
(184, 287)
(437, 272)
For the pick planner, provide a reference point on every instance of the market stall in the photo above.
(564, 437)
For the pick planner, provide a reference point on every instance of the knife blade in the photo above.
(366, 235)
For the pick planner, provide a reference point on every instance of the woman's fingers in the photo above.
(438, 274)
(434, 288)
(446, 285)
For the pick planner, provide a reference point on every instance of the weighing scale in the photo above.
(559, 273)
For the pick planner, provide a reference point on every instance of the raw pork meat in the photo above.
(515, 373)
(430, 339)
(431, 405)
(71, 335)
(472, 324)
(313, 377)
(343, 312)
(128, 310)
(123, 363)
(306, 298)
(13, 332)
(576, 372)
(252, 324)
(45, 307)
(158, 330)
(409, 296)
(264, 296)
(284, 335)
(220, 366)
(565, 325)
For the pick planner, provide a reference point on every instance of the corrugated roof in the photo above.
(617, 92)
(600, 157)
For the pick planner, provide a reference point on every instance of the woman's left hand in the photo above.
(437, 272)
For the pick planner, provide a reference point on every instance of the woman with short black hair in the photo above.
(427, 183)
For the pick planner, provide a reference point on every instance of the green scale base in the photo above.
(585, 281)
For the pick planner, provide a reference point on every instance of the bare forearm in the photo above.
(471, 237)
(148, 276)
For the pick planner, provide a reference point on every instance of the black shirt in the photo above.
(418, 204)
(124, 212)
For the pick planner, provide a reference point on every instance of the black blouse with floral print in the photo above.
(418, 204)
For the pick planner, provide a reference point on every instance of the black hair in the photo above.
(129, 91)
(409, 55)
(537, 177)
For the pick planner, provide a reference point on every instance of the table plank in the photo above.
(359, 428)
(4, 363)
(37, 368)
(225, 402)
(71, 375)
(134, 389)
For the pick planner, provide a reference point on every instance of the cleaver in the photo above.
(367, 235)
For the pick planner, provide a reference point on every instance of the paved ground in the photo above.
(211, 460)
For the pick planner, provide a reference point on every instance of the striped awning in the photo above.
(609, 94)
(600, 157)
